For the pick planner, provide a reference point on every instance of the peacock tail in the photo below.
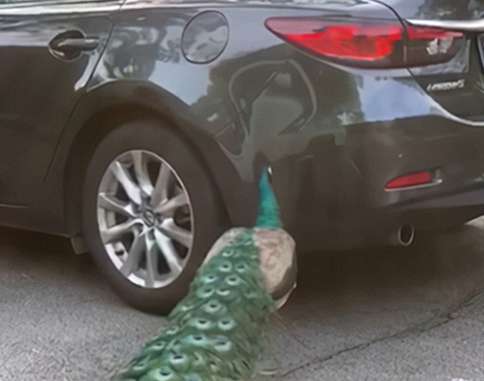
(216, 332)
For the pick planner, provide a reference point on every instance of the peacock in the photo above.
(216, 332)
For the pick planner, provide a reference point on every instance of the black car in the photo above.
(138, 128)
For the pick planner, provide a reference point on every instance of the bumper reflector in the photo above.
(411, 180)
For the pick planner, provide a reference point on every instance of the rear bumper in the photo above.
(333, 196)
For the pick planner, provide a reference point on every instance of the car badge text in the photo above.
(447, 86)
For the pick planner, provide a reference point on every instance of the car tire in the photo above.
(207, 222)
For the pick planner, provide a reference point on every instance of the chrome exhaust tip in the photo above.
(404, 237)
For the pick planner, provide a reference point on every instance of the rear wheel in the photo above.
(150, 213)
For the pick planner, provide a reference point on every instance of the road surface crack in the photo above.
(434, 322)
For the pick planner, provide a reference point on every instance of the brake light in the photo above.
(368, 44)
(427, 46)
(411, 180)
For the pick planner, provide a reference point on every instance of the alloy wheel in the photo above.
(145, 218)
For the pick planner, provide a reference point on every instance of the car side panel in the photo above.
(261, 101)
(230, 100)
(328, 131)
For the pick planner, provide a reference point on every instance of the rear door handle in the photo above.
(80, 44)
(71, 44)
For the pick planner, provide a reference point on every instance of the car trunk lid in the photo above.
(457, 85)
(462, 10)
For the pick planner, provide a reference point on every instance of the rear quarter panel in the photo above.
(260, 101)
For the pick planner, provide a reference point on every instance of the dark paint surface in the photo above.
(334, 135)
(39, 92)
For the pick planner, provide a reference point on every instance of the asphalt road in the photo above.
(374, 314)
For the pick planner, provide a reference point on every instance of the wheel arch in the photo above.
(95, 117)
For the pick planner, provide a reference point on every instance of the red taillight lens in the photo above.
(426, 46)
(411, 180)
(368, 44)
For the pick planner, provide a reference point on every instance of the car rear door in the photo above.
(48, 51)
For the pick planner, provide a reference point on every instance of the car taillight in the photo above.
(411, 180)
(426, 46)
(368, 44)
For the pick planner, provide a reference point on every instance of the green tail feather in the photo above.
(269, 214)
(216, 332)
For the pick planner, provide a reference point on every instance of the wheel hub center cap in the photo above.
(149, 217)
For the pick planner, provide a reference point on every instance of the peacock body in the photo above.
(216, 332)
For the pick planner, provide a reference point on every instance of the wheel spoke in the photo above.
(111, 203)
(112, 233)
(169, 252)
(177, 233)
(151, 261)
(141, 170)
(173, 203)
(160, 193)
(134, 256)
(124, 178)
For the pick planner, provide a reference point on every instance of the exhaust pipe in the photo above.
(404, 236)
